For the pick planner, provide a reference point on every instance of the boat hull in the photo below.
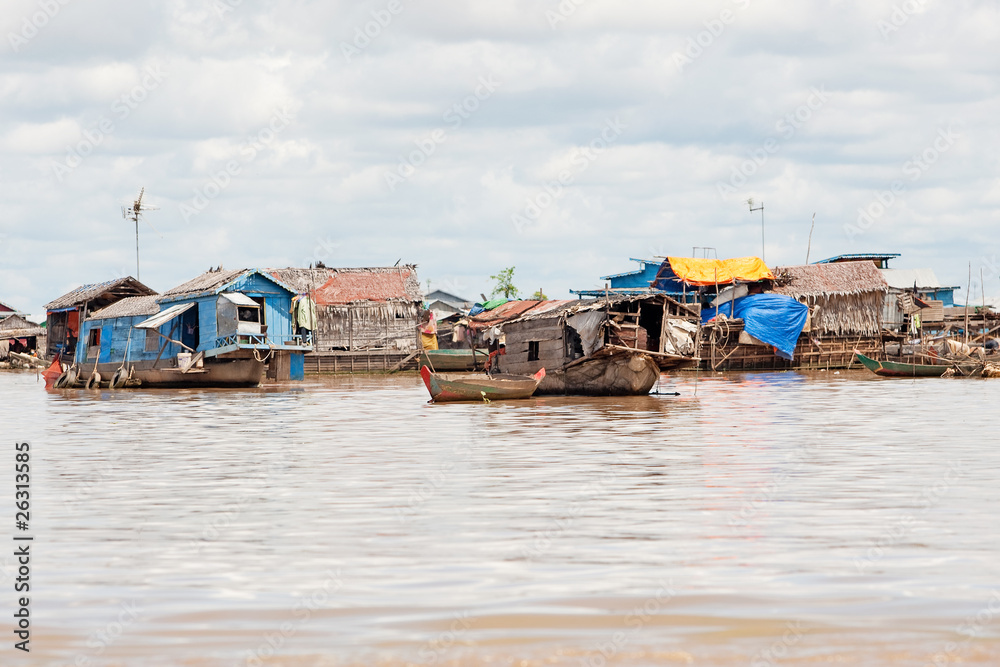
(900, 369)
(479, 387)
(606, 373)
(215, 373)
(454, 360)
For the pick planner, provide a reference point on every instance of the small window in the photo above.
(248, 314)
(532, 350)
(93, 343)
(152, 340)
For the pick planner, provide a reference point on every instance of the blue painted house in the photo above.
(639, 282)
(219, 329)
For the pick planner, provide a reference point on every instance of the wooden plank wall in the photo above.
(834, 352)
(376, 361)
(551, 347)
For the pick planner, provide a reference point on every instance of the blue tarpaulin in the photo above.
(775, 319)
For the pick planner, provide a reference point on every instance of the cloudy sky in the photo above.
(558, 137)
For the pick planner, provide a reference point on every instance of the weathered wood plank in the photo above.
(526, 368)
(524, 337)
(534, 330)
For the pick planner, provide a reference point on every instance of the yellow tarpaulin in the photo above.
(709, 271)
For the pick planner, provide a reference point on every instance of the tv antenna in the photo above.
(133, 212)
(761, 209)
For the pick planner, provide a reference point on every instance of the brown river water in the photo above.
(756, 519)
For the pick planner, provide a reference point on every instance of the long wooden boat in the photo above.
(480, 387)
(902, 369)
(454, 360)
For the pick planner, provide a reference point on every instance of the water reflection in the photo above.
(695, 529)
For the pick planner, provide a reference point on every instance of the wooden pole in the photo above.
(982, 287)
(809, 247)
(663, 328)
(968, 289)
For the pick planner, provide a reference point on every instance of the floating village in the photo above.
(244, 327)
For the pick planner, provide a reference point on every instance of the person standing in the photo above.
(428, 331)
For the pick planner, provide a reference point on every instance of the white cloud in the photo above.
(322, 178)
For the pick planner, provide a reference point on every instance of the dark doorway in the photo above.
(189, 328)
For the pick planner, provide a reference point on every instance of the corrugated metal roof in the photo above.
(332, 286)
(850, 257)
(240, 299)
(842, 278)
(637, 272)
(527, 310)
(456, 302)
(629, 291)
(122, 287)
(165, 316)
(905, 278)
(502, 313)
(131, 306)
(8, 308)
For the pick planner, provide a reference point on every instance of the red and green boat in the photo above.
(455, 360)
(904, 370)
(480, 387)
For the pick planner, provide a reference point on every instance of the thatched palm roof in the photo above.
(841, 279)
(845, 298)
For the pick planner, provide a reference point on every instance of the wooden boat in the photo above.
(454, 360)
(591, 347)
(480, 387)
(906, 370)
(610, 371)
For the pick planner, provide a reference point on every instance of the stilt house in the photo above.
(361, 309)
